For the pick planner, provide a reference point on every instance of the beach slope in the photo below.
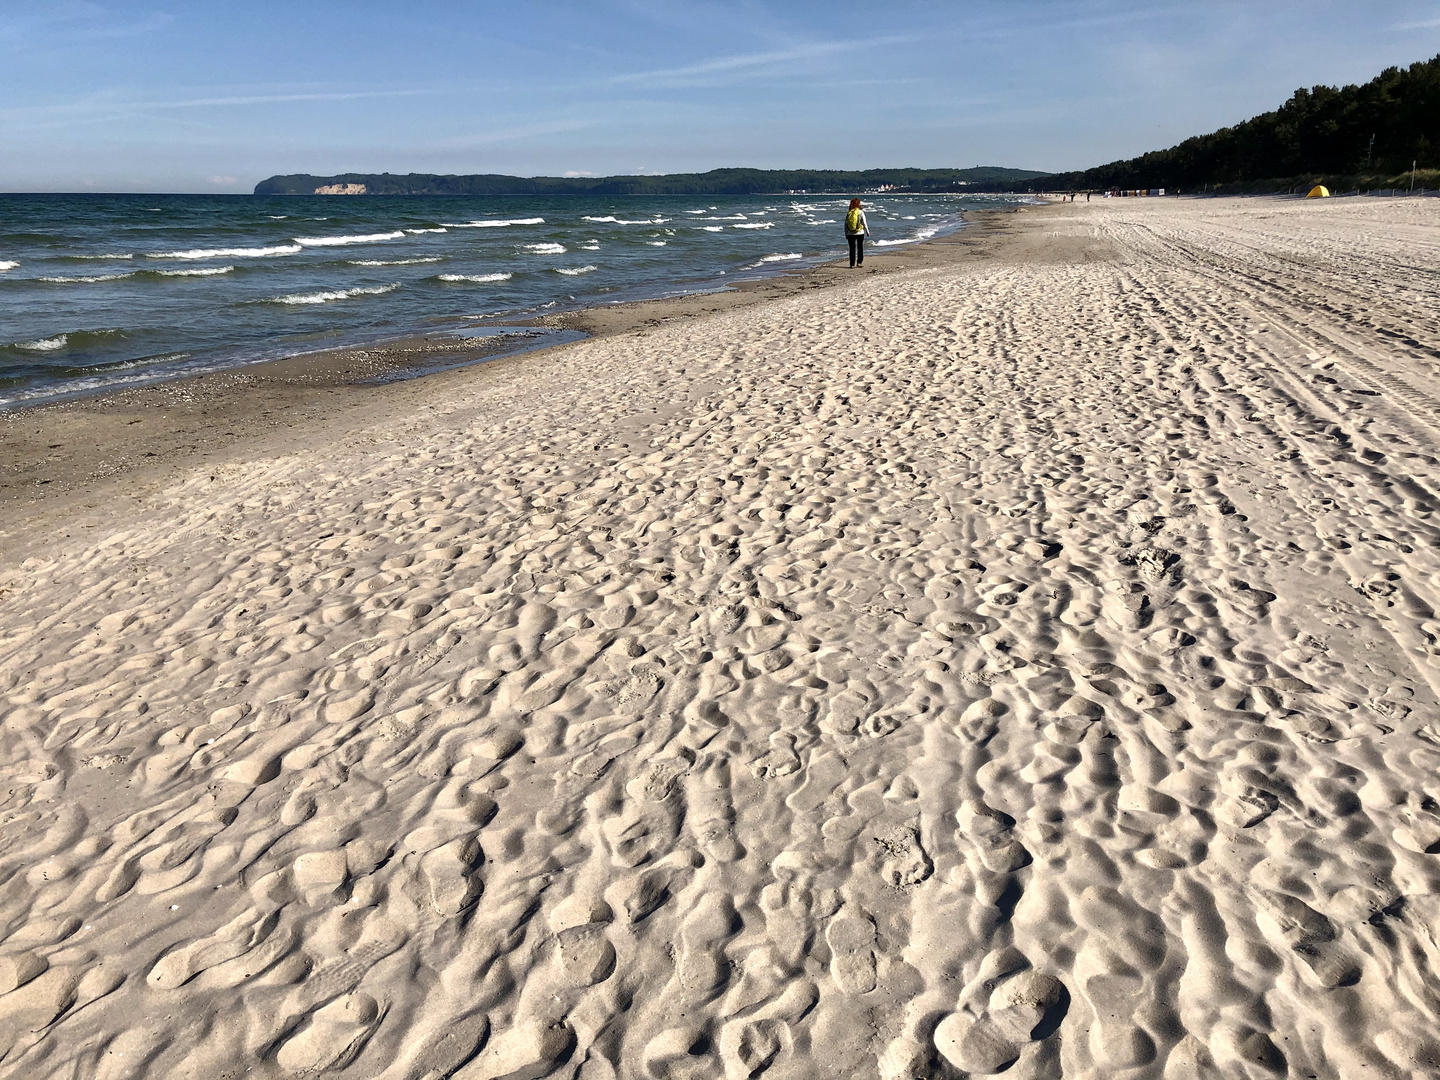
(1025, 665)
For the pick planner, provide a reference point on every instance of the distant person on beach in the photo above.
(856, 229)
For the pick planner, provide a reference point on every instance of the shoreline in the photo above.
(77, 453)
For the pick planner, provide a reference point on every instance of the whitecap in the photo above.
(45, 344)
(333, 294)
(546, 249)
(826, 221)
(494, 223)
(627, 221)
(755, 225)
(277, 217)
(575, 271)
(478, 279)
(712, 228)
(341, 241)
(924, 233)
(593, 245)
(101, 258)
(227, 253)
(417, 232)
(8, 264)
(87, 280)
(202, 271)
(782, 258)
(395, 262)
(655, 243)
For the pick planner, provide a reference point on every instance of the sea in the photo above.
(100, 292)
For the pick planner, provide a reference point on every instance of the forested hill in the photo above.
(1323, 131)
(715, 182)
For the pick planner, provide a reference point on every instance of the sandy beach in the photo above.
(1020, 660)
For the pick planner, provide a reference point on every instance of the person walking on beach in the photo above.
(856, 229)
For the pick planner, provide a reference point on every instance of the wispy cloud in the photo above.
(747, 63)
(1422, 24)
(509, 134)
(275, 99)
(100, 109)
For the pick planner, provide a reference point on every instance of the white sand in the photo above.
(1032, 662)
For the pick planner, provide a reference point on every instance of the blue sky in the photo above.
(213, 96)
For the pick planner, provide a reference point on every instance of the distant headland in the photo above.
(715, 182)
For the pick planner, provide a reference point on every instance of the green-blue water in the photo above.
(103, 291)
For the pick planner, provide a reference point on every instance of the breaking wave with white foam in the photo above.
(342, 241)
(86, 280)
(8, 264)
(199, 271)
(611, 219)
(396, 262)
(782, 258)
(545, 249)
(575, 271)
(333, 294)
(475, 279)
(59, 341)
(494, 223)
(228, 253)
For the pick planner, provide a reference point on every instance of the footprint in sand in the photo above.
(779, 760)
(851, 937)
(905, 862)
(583, 956)
(701, 966)
(334, 1037)
(1019, 1011)
(990, 831)
(233, 940)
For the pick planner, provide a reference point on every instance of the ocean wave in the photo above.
(755, 225)
(593, 245)
(396, 262)
(201, 271)
(712, 228)
(87, 280)
(417, 232)
(477, 279)
(205, 271)
(494, 223)
(655, 243)
(333, 294)
(227, 253)
(342, 241)
(782, 258)
(545, 249)
(107, 257)
(575, 271)
(625, 221)
(8, 264)
(697, 211)
(69, 339)
(826, 221)
(924, 233)
(59, 341)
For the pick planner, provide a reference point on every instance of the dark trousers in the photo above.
(857, 249)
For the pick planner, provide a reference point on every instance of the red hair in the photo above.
(854, 204)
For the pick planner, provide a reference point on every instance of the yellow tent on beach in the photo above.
(1319, 191)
